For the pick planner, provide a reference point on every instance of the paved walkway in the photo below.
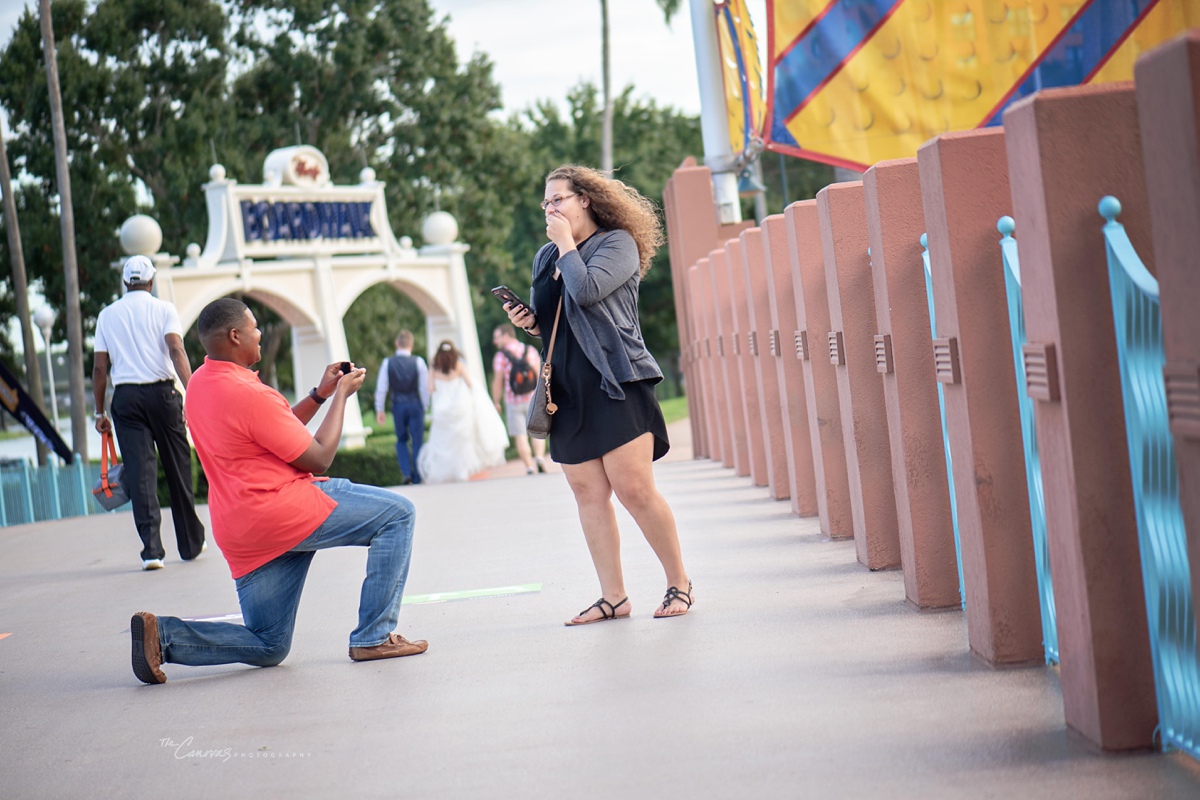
(798, 675)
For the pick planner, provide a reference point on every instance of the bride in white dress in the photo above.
(467, 435)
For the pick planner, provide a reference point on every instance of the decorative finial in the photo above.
(439, 228)
(1110, 207)
(140, 236)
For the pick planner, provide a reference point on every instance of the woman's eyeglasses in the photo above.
(556, 202)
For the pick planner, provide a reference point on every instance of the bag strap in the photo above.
(108, 457)
(550, 407)
(512, 360)
(554, 331)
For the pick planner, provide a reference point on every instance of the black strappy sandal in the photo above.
(606, 608)
(673, 594)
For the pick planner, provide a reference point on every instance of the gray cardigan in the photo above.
(600, 299)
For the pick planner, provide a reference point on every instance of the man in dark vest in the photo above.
(406, 378)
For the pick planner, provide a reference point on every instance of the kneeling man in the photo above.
(270, 515)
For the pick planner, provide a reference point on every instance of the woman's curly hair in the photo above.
(616, 205)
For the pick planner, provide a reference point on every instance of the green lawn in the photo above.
(674, 409)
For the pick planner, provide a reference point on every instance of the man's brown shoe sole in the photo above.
(395, 647)
(147, 652)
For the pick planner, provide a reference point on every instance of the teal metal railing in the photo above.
(945, 430)
(1161, 536)
(54, 491)
(1033, 462)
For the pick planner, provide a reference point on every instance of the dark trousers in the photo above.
(148, 415)
(409, 418)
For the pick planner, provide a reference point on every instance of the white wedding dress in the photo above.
(467, 435)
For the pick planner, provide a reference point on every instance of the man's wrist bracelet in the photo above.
(316, 397)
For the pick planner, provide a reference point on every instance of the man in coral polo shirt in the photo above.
(270, 515)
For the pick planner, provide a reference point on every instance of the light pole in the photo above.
(44, 318)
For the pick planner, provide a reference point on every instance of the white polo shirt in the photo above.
(132, 331)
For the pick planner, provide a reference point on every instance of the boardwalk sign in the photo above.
(307, 248)
(296, 212)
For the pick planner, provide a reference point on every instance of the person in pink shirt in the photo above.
(516, 406)
(270, 514)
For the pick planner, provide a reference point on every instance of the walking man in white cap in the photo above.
(141, 337)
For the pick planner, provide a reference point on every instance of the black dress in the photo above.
(588, 422)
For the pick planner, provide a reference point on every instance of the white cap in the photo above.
(138, 269)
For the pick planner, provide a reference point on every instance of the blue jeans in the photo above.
(409, 418)
(366, 516)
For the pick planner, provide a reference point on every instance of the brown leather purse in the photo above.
(541, 407)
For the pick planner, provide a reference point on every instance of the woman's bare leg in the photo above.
(630, 472)
(593, 496)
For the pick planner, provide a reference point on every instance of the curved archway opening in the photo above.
(276, 316)
(371, 324)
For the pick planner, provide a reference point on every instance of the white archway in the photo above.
(308, 249)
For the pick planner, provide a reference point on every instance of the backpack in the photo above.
(522, 378)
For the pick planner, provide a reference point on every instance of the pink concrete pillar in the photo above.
(758, 312)
(735, 398)
(684, 324)
(1168, 99)
(685, 212)
(793, 399)
(740, 342)
(850, 347)
(964, 190)
(820, 380)
(895, 222)
(693, 231)
(1067, 148)
(701, 387)
(716, 399)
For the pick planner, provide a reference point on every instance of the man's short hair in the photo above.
(506, 329)
(404, 339)
(221, 316)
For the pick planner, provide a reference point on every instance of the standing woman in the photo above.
(608, 429)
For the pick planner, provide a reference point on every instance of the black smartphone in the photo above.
(346, 367)
(507, 295)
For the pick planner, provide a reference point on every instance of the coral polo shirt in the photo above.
(246, 436)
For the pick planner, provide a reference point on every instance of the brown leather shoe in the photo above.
(147, 651)
(394, 647)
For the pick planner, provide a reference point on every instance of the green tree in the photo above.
(154, 95)
(102, 200)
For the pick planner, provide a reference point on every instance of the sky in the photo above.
(10, 12)
(540, 49)
(656, 58)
